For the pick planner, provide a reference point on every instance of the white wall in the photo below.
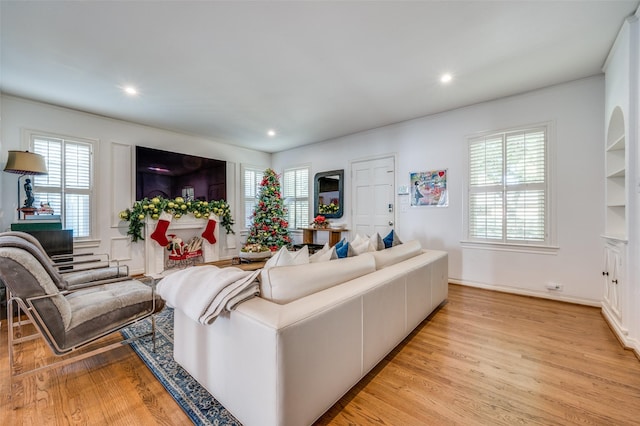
(427, 143)
(439, 141)
(114, 166)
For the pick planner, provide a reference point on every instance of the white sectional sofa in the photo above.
(285, 361)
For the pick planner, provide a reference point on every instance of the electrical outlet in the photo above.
(554, 287)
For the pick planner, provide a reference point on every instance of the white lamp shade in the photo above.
(26, 163)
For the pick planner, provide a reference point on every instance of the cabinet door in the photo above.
(614, 276)
(612, 280)
(606, 276)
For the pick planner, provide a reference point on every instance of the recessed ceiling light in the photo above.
(446, 78)
(130, 90)
(271, 133)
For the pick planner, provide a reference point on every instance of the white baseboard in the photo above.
(621, 333)
(544, 295)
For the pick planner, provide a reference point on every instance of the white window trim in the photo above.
(307, 167)
(551, 245)
(27, 137)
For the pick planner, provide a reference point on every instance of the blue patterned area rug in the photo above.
(196, 402)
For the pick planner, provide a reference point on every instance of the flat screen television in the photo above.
(170, 175)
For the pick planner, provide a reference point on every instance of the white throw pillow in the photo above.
(362, 246)
(284, 257)
(324, 255)
(376, 242)
(358, 240)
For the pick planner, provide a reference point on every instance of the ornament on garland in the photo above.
(270, 227)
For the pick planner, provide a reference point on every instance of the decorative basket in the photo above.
(255, 255)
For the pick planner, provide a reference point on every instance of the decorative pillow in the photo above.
(330, 254)
(391, 240)
(326, 253)
(362, 246)
(376, 242)
(358, 240)
(285, 257)
(346, 250)
(340, 243)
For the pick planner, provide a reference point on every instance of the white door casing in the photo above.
(372, 196)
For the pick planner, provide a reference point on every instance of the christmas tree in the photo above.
(270, 227)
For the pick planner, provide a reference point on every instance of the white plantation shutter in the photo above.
(507, 200)
(67, 186)
(251, 184)
(295, 190)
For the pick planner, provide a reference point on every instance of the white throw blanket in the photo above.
(202, 292)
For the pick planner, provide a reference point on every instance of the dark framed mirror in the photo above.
(329, 194)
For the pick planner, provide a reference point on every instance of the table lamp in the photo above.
(26, 163)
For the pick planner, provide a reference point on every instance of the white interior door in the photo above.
(372, 196)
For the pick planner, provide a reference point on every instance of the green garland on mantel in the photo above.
(177, 207)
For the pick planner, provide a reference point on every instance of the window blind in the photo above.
(507, 200)
(295, 191)
(67, 186)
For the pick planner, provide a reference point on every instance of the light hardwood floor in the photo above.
(485, 358)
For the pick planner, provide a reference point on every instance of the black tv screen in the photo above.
(170, 175)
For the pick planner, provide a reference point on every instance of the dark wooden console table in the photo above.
(309, 234)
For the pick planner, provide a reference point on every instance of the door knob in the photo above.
(390, 223)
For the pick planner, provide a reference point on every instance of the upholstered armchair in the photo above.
(82, 268)
(66, 319)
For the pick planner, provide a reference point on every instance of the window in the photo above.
(295, 190)
(251, 183)
(67, 186)
(508, 196)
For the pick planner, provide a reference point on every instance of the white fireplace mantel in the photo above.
(185, 227)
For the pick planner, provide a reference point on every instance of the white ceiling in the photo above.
(311, 70)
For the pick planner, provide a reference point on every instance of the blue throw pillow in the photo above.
(340, 243)
(344, 251)
(388, 240)
(391, 240)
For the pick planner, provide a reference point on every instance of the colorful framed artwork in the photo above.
(429, 188)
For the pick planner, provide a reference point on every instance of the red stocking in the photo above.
(211, 226)
(159, 234)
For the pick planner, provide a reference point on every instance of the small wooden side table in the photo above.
(309, 235)
(237, 263)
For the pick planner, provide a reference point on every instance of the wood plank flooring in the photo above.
(485, 358)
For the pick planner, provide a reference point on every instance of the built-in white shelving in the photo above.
(616, 179)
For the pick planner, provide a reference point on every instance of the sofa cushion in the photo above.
(396, 254)
(284, 257)
(285, 284)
